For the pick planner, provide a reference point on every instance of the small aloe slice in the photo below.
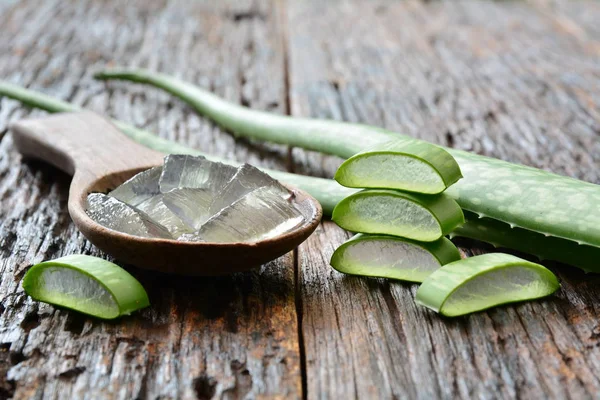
(401, 164)
(86, 284)
(389, 212)
(482, 282)
(392, 257)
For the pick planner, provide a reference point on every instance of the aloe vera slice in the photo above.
(392, 257)
(389, 212)
(86, 284)
(401, 164)
(481, 282)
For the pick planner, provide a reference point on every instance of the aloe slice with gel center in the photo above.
(392, 257)
(389, 212)
(481, 282)
(86, 284)
(401, 164)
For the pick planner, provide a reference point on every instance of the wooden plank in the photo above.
(231, 337)
(497, 78)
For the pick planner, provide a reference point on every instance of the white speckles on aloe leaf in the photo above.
(480, 282)
(348, 139)
(390, 212)
(402, 164)
(392, 257)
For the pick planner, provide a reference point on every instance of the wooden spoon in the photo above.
(100, 158)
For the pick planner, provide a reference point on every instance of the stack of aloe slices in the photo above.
(403, 217)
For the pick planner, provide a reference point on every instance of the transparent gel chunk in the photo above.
(160, 213)
(260, 214)
(118, 216)
(246, 179)
(185, 171)
(190, 205)
(140, 188)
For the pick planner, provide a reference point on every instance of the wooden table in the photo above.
(519, 81)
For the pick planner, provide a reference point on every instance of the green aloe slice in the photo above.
(86, 284)
(392, 257)
(389, 212)
(480, 282)
(401, 164)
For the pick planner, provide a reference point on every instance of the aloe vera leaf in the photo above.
(328, 192)
(481, 282)
(500, 234)
(400, 164)
(86, 284)
(390, 212)
(392, 257)
(545, 203)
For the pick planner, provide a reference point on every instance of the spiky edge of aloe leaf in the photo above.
(443, 250)
(436, 158)
(328, 192)
(442, 208)
(547, 203)
(500, 234)
(129, 295)
(438, 287)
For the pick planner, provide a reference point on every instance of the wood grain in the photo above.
(519, 81)
(499, 78)
(233, 337)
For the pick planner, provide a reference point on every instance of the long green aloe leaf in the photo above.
(391, 212)
(480, 282)
(87, 284)
(330, 193)
(401, 164)
(392, 257)
(521, 196)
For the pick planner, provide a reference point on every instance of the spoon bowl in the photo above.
(100, 158)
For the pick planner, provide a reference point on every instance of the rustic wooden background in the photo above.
(514, 80)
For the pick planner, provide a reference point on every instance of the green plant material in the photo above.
(481, 282)
(517, 195)
(390, 212)
(86, 284)
(392, 257)
(328, 192)
(500, 234)
(401, 164)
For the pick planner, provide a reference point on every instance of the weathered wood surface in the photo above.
(519, 81)
(232, 337)
(511, 80)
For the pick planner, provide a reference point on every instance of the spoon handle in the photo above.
(82, 144)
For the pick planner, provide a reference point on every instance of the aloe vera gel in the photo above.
(190, 198)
